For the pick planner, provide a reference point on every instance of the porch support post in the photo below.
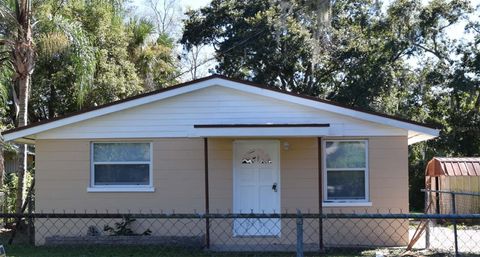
(320, 195)
(207, 195)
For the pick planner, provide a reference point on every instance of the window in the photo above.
(256, 156)
(121, 165)
(346, 170)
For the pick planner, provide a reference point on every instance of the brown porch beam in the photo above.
(207, 194)
(266, 125)
(320, 194)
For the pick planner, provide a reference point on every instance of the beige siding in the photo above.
(63, 174)
(388, 163)
(388, 185)
(388, 174)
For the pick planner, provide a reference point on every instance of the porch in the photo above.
(198, 175)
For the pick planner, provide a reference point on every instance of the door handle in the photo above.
(274, 187)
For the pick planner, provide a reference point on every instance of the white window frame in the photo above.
(120, 188)
(346, 202)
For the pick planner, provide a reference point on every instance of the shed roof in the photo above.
(444, 166)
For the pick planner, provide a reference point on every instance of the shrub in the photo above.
(123, 228)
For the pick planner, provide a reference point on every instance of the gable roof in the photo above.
(419, 131)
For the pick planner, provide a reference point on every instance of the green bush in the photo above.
(9, 189)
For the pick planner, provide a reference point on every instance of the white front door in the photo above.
(256, 185)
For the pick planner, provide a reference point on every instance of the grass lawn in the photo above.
(103, 251)
(152, 251)
(131, 251)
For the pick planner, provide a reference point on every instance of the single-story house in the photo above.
(222, 145)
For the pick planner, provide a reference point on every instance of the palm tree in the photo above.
(152, 54)
(18, 52)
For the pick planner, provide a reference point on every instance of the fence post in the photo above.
(427, 230)
(299, 234)
(454, 210)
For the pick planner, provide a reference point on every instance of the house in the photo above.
(223, 145)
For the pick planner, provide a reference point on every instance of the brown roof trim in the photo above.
(267, 125)
(246, 82)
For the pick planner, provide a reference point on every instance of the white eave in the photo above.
(416, 132)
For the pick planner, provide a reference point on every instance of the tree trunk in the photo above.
(23, 61)
(24, 87)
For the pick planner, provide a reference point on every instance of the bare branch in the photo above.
(164, 13)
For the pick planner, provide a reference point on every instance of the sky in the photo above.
(194, 4)
(185, 4)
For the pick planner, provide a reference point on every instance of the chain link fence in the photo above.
(292, 234)
(451, 202)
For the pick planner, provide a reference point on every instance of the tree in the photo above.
(447, 90)
(17, 40)
(397, 60)
(289, 48)
(4, 109)
(193, 59)
(65, 64)
(52, 35)
(165, 15)
(249, 43)
(152, 55)
(115, 75)
(96, 68)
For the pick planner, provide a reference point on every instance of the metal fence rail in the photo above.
(230, 234)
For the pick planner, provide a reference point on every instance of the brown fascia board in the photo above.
(266, 125)
(246, 82)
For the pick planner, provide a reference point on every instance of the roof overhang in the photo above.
(416, 132)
